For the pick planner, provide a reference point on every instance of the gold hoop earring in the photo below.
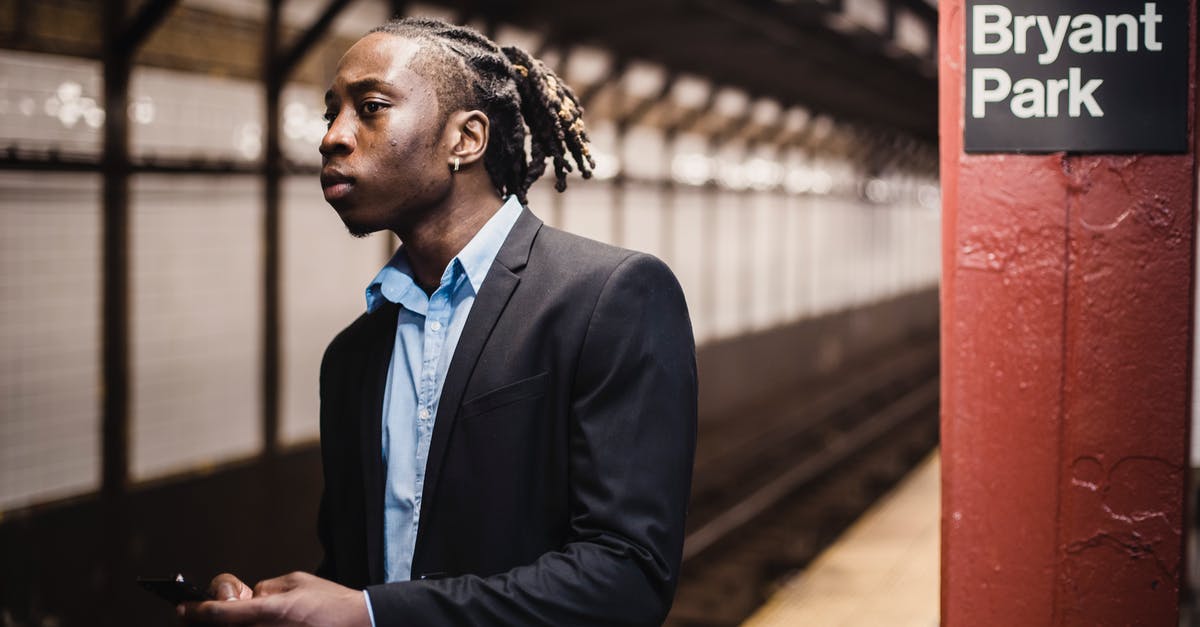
(457, 162)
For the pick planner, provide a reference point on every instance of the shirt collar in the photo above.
(479, 253)
(395, 281)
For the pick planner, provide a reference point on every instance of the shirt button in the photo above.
(436, 325)
(424, 414)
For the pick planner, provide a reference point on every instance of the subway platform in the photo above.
(882, 571)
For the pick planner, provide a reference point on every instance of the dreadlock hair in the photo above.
(514, 90)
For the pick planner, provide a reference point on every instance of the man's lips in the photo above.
(336, 185)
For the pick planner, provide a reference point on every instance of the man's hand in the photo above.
(295, 600)
(226, 587)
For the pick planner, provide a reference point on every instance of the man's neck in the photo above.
(433, 241)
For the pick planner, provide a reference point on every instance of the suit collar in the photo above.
(493, 298)
(514, 254)
(378, 352)
(490, 302)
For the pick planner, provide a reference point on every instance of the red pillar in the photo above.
(1067, 299)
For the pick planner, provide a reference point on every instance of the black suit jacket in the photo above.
(561, 456)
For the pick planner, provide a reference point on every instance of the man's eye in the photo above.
(372, 107)
(328, 117)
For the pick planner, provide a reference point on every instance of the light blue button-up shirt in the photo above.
(427, 331)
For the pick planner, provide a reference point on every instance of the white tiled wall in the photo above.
(644, 219)
(588, 209)
(749, 254)
(50, 102)
(689, 207)
(325, 271)
(49, 336)
(196, 261)
(192, 116)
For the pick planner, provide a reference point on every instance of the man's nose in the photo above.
(339, 139)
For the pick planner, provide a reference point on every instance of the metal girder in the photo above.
(592, 90)
(284, 63)
(731, 130)
(641, 109)
(141, 25)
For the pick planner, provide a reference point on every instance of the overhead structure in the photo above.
(865, 61)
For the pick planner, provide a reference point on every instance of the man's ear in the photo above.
(468, 136)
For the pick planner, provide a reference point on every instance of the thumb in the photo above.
(226, 592)
(226, 587)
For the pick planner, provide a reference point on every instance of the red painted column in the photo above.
(1067, 326)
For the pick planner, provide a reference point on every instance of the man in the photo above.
(507, 433)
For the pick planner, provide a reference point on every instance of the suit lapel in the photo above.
(381, 338)
(502, 279)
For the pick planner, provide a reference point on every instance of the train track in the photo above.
(778, 483)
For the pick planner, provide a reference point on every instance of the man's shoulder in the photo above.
(574, 258)
(357, 334)
(576, 250)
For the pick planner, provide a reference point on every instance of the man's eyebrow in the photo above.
(362, 85)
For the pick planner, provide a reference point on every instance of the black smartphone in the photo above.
(174, 591)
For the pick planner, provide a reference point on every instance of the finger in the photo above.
(267, 587)
(245, 612)
(226, 587)
(188, 615)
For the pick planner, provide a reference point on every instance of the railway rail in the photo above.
(777, 483)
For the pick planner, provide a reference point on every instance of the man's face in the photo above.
(383, 164)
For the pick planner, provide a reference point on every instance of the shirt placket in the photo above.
(437, 320)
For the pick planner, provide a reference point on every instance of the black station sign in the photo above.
(1076, 75)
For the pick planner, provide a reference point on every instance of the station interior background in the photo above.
(787, 210)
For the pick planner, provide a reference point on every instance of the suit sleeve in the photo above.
(632, 441)
(327, 569)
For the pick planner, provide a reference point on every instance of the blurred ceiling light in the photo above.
(141, 110)
(877, 190)
(765, 111)
(764, 174)
(644, 80)
(691, 168)
(294, 116)
(588, 65)
(94, 117)
(303, 123)
(552, 59)
(869, 14)
(822, 128)
(607, 165)
(642, 151)
(912, 35)
(796, 119)
(69, 113)
(929, 196)
(68, 91)
(509, 35)
(69, 106)
(821, 182)
(294, 111)
(354, 20)
(731, 102)
(603, 134)
(732, 174)
(248, 140)
(798, 180)
(690, 92)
